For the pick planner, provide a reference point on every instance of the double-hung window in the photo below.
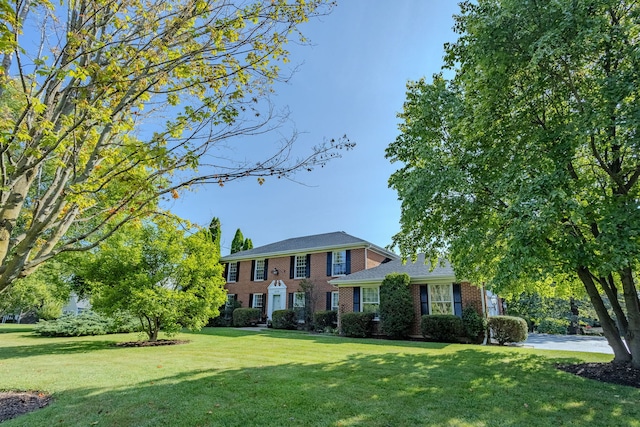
(258, 300)
(335, 299)
(232, 273)
(339, 263)
(259, 273)
(371, 300)
(231, 299)
(298, 305)
(441, 299)
(300, 266)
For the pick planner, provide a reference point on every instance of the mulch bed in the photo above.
(14, 403)
(616, 373)
(150, 343)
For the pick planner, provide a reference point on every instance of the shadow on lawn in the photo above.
(319, 338)
(467, 387)
(7, 328)
(65, 346)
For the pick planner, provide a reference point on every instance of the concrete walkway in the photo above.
(590, 344)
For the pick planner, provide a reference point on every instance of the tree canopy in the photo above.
(523, 167)
(167, 277)
(115, 104)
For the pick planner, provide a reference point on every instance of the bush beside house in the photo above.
(441, 327)
(324, 320)
(246, 317)
(396, 306)
(357, 324)
(284, 319)
(506, 329)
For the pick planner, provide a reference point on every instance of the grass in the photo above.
(228, 377)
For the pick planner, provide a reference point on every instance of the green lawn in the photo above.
(227, 377)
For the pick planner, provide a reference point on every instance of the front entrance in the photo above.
(276, 297)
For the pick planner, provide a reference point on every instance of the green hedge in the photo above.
(506, 329)
(87, 323)
(474, 325)
(441, 327)
(325, 319)
(553, 326)
(396, 306)
(284, 319)
(246, 316)
(358, 325)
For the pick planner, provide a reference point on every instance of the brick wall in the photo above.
(471, 295)
(374, 259)
(244, 286)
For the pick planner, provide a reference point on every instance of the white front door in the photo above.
(277, 292)
(277, 304)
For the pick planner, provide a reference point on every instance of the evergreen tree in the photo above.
(238, 242)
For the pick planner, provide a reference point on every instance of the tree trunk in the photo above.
(633, 315)
(611, 332)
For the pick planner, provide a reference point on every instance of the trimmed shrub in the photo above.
(357, 325)
(396, 306)
(284, 319)
(441, 327)
(325, 319)
(246, 316)
(87, 323)
(508, 329)
(226, 315)
(473, 324)
(553, 326)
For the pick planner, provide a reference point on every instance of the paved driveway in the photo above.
(592, 344)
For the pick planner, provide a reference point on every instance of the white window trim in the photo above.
(295, 266)
(335, 298)
(431, 300)
(362, 303)
(230, 298)
(235, 270)
(259, 269)
(333, 262)
(297, 298)
(253, 303)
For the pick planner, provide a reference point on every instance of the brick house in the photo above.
(268, 277)
(434, 291)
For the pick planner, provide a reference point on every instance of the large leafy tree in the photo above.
(166, 277)
(523, 167)
(115, 104)
(42, 294)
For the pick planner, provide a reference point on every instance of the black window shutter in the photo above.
(238, 271)
(266, 269)
(235, 297)
(292, 266)
(424, 300)
(329, 263)
(328, 300)
(290, 302)
(457, 300)
(250, 300)
(308, 272)
(253, 269)
(348, 261)
(356, 299)
(226, 271)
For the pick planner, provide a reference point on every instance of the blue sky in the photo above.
(350, 81)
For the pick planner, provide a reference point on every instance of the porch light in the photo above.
(275, 271)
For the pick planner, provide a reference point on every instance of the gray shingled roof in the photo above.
(307, 244)
(418, 271)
